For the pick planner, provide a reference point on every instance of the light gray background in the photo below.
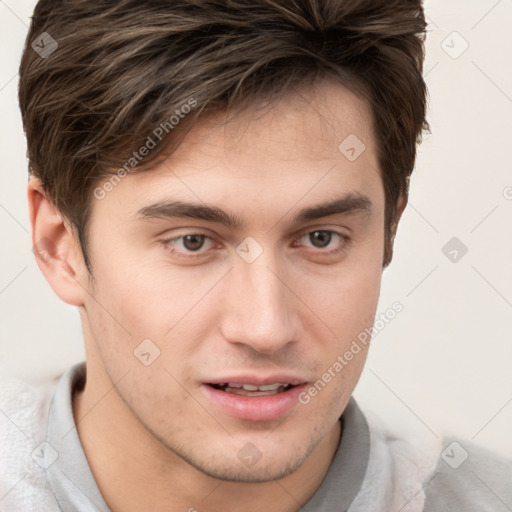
(444, 363)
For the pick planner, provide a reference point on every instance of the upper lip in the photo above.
(258, 380)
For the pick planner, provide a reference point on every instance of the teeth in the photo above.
(250, 387)
(235, 387)
(251, 393)
(251, 390)
(270, 387)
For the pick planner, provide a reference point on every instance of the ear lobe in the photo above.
(57, 254)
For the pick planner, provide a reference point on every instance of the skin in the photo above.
(153, 439)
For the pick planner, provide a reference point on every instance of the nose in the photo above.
(258, 306)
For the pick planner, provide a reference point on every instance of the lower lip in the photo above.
(256, 408)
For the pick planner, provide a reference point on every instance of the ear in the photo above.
(57, 252)
(400, 207)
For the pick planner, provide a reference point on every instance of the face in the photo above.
(230, 281)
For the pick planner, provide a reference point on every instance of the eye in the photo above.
(322, 239)
(190, 243)
(196, 245)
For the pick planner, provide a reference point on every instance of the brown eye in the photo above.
(325, 241)
(193, 242)
(192, 245)
(320, 239)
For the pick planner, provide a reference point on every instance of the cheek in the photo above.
(133, 294)
(346, 301)
(358, 289)
(120, 313)
(345, 298)
(134, 304)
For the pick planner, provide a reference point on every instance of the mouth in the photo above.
(254, 399)
(252, 390)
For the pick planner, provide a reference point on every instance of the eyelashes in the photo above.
(192, 245)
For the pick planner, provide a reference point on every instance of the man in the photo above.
(216, 186)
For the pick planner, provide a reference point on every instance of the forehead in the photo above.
(310, 122)
(313, 144)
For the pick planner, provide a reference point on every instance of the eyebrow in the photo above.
(350, 204)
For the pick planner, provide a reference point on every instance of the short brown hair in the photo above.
(124, 67)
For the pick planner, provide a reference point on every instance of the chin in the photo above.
(260, 472)
(248, 464)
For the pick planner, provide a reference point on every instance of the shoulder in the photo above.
(469, 477)
(25, 405)
(402, 458)
(415, 470)
(23, 420)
